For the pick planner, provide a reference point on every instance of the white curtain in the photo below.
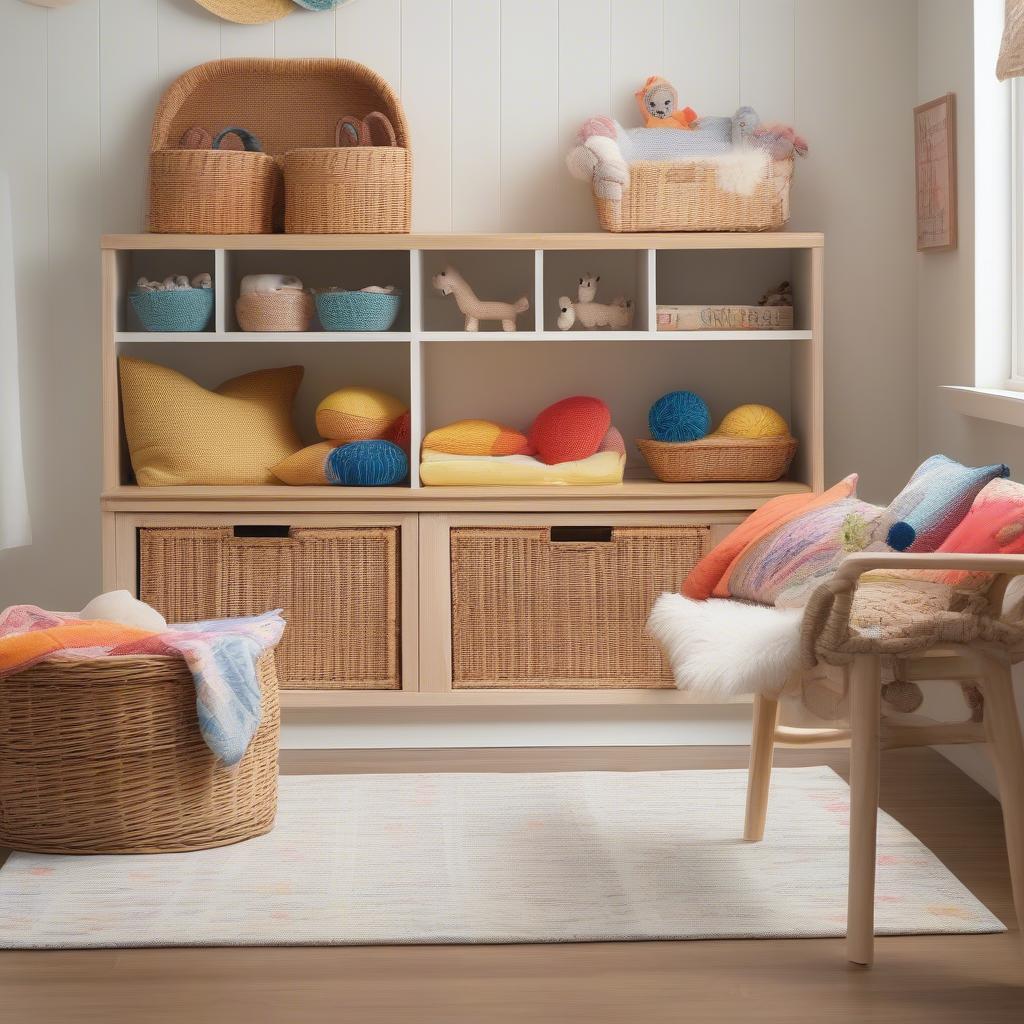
(14, 522)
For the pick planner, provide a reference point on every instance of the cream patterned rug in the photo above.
(560, 857)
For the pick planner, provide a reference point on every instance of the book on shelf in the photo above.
(725, 318)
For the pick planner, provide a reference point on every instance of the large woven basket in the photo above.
(105, 756)
(686, 196)
(285, 310)
(288, 105)
(719, 459)
(533, 610)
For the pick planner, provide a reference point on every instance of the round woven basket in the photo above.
(105, 756)
(189, 309)
(213, 192)
(358, 311)
(719, 459)
(285, 310)
(361, 190)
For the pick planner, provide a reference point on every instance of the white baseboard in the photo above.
(719, 725)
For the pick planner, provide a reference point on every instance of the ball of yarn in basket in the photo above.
(367, 464)
(679, 416)
(753, 421)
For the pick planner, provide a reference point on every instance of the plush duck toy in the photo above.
(659, 103)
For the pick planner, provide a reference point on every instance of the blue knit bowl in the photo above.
(186, 310)
(358, 311)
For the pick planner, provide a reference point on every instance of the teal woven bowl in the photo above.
(358, 311)
(186, 310)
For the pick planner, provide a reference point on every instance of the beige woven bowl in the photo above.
(275, 311)
(719, 459)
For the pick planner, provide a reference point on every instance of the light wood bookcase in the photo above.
(446, 374)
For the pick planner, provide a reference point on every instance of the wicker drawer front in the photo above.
(529, 611)
(338, 587)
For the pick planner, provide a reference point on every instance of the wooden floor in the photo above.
(977, 979)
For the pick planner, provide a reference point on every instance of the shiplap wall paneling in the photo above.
(187, 34)
(701, 55)
(636, 53)
(531, 166)
(372, 33)
(767, 58)
(305, 34)
(476, 120)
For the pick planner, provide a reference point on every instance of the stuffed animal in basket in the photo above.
(451, 282)
(659, 103)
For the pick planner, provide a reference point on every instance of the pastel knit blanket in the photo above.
(221, 655)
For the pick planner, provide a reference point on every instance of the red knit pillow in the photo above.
(570, 429)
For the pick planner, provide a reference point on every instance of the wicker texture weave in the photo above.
(290, 105)
(529, 612)
(338, 588)
(686, 196)
(284, 310)
(105, 756)
(719, 459)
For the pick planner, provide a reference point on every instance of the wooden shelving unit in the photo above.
(447, 373)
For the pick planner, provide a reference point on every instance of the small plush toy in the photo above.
(451, 282)
(659, 103)
(618, 314)
(779, 296)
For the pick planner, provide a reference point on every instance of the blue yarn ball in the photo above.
(679, 416)
(901, 535)
(366, 464)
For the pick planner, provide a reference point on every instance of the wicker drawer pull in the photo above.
(581, 535)
(259, 530)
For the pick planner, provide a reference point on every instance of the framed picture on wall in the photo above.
(935, 168)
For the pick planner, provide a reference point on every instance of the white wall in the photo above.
(494, 90)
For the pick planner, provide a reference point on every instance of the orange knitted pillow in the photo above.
(570, 430)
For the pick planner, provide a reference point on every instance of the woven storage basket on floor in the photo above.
(719, 459)
(338, 588)
(288, 105)
(285, 310)
(685, 196)
(105, 756)
(529, 611)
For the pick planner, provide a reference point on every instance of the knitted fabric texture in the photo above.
(178, 432)
(477, 437)
(935, 501)
(570, 430)
(305, 467)
(367, 464)
(357, 414)
(679, 416)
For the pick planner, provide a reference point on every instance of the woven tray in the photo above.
(719, 459)
(105, 756)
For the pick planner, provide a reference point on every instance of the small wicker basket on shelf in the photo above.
(686, 195)
(719, 459)
(105, 756)
(284, 310)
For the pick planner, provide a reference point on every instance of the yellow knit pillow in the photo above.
(477, 437)
(305, 467)
(357, 414)
(180, 433)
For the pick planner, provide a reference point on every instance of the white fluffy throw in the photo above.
(726, 648)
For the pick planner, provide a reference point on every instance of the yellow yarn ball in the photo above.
(752, 421)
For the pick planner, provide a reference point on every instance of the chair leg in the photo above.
(865, 722)
(1002, 726)
(762, 747)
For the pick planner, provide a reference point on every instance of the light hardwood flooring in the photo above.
(976, 979)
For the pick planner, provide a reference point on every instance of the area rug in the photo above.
(481, 858)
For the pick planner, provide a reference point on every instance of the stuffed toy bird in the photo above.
(659, 102)
(779, 141)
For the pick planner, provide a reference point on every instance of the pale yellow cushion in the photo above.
(305, 467)
(440, 469)
(178, 432)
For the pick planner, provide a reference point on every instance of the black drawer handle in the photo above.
(260, 530)
(581, 534)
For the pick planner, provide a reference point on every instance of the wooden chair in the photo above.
(985, 662)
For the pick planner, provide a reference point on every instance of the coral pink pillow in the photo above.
(570, 430)
(711, 574)
(994, 525)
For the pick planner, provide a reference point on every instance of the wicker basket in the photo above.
(531, 610)
(358, 311)
(105, 756)
(187, 309)
(719, 459)
(285, 310)
(338, 587)
(288, 105)
(686, 196)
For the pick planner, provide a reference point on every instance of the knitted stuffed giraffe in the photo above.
(451, 282)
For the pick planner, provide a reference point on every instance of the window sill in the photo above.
(988, 404)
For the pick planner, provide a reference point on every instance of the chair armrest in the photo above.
(853, 566)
